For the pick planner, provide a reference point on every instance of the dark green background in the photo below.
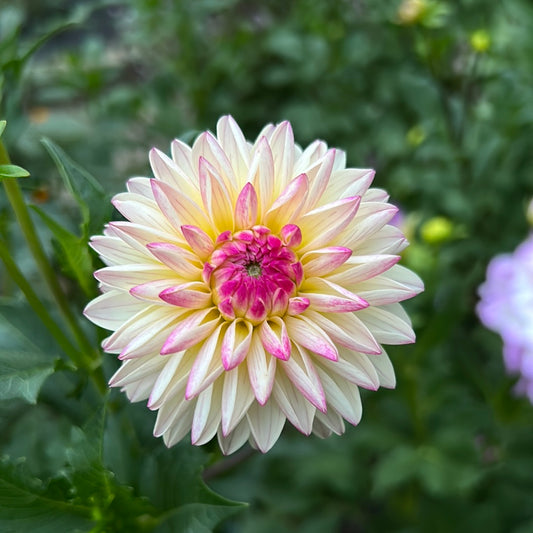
(449, 130)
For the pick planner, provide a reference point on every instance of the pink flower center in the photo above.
(253, 274)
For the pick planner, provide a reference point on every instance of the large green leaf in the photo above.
(172, 479)
(25, 360)
(29, 505)
(116, 507)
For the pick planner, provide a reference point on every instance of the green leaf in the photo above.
(172, 479)
(22, 374)
(2, 126)
(72, 251)
(29, 505)
(88, 193)
(24, 365)
(115, 507)
(12, 171)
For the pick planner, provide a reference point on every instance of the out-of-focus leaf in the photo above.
(27, 505)
(24, 366)
(116, 508)
(2, 126)
(72, 251)
(12, 171)
(172, 480)
(88, 193)
(22, 374)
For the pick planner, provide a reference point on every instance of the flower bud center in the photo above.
(253, 274)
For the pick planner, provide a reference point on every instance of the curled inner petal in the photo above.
(253, 274)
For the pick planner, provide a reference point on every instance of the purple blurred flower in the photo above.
(506, 307)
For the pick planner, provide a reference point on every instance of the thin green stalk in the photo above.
(87, 358)
(18, 277)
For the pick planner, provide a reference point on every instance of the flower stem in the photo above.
(87, 357)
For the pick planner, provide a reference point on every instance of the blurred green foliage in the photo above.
(437, 97)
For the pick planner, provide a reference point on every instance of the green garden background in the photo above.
(436, 96)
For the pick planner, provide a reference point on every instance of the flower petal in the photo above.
(261, 370)
(236, 343)
(235, 147)
(207, 415)
(215, 197)
(303, 332)
(320, 226)
(246, 208)
(191, 331)
(323, 261)
(183, 262)
(237, 396)
(294, 406)
(275, 339)
(192, 295)
(388, 324)
(206, 367)
(261, 174)
(266, 422)
(111, 309)
(235, 439)
(342, 396)
(302, 373)
(288, 204)
(346, 330)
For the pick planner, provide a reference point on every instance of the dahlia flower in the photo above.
(251, 284)
(506, 307)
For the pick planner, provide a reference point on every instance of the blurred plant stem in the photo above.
(86, 358)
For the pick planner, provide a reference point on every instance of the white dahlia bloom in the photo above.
(251, 284)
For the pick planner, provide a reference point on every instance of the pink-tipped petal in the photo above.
(177, 207)
(288, 204)
(184, 263)
(302, 373)
(236, 343)
(321, 262)
(298, 305)
(191, 295)
(274, 337)
(303, 332)
(291, 235)
(190, 331)
(200, 242)
(246, 207)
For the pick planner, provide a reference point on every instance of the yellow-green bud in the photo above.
(480, 41)
(410, 11)
(416, 136)
(436, 230)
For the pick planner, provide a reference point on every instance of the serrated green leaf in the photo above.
(196, 518)
(24, 365)
(116, 507)
(72, 251)
(27, 505)
(22, 374)
(12, 171)
(88, 193)
(84, 456)
(172, 479)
